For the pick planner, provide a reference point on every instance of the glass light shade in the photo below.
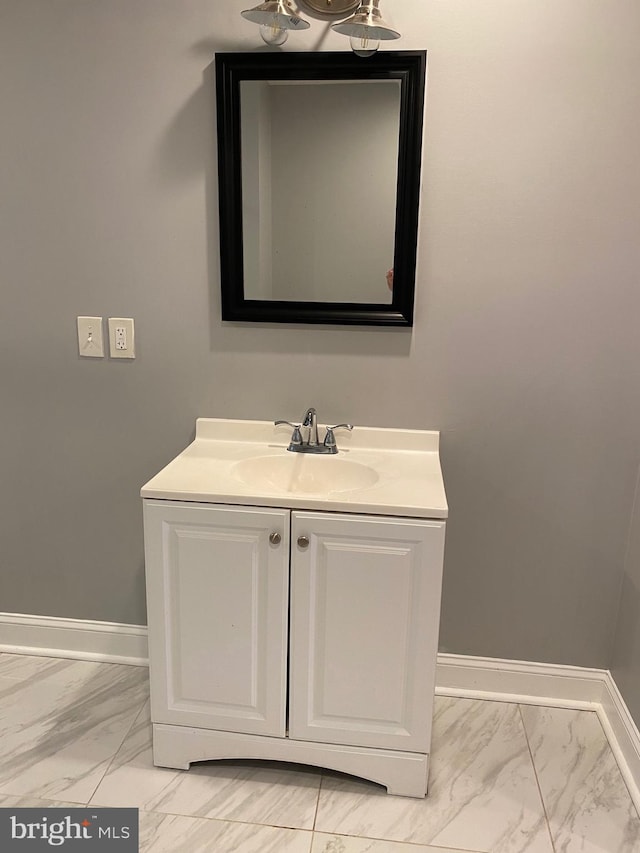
(273, 34)
(365, 27)
(276, 14)
(363, 44)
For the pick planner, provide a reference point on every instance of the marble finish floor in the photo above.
(505, 778)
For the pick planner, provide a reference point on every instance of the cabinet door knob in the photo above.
(303, 542)
(275, 538)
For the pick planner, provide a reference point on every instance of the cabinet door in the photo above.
(365, 606)
(217, 602)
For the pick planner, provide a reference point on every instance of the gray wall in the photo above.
(626, 656)
(525, 350)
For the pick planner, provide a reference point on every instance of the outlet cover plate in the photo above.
(127, 336)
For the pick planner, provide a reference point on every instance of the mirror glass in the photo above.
(303, 143)
(319, 167)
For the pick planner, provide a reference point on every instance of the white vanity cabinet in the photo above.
(365, 604)
(217, 607)
(293, 635)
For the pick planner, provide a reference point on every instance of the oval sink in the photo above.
(299, 473)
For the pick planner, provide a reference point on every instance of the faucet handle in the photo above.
(330, 439)
(296, 438)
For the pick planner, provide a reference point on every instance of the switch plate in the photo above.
(90, 342)
(121, 337)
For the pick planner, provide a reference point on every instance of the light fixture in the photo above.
(276, 18)
(364, 25)
(366, 28)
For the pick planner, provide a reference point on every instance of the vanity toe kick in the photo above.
(403, 774)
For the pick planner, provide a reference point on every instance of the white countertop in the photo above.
(406, 462)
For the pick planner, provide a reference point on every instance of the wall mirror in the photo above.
(319, 184)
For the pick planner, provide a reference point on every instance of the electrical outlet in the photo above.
(90, 342)
(121, 337)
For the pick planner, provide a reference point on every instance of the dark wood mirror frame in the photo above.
(231, 69)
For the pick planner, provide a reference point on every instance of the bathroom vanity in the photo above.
(293, 600)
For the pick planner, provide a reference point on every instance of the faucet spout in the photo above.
(310, 421)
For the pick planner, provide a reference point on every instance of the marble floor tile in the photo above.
(255, 792)
(28, 802)
(587, 802)
(24, 667)
(483, 793)
(73, 732)
(160, 833)
(60, 728)
(324, 843)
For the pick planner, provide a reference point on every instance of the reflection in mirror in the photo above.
(319, 184)
(303, 142)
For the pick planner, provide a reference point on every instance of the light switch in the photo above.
(90, 341)
(121, 337)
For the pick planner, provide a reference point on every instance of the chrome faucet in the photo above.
(310, 443)
(310, 421)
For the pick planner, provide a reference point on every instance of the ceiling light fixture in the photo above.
(363, 22)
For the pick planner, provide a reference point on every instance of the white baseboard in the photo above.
(79, 639)
(457, 675)
(519, 681)
(623, 736)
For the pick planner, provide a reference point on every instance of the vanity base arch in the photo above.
(402, 773)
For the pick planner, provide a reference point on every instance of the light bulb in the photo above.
(363, 44)
(273, 34)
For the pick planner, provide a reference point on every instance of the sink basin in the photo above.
(393, 472)
(298, 473)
